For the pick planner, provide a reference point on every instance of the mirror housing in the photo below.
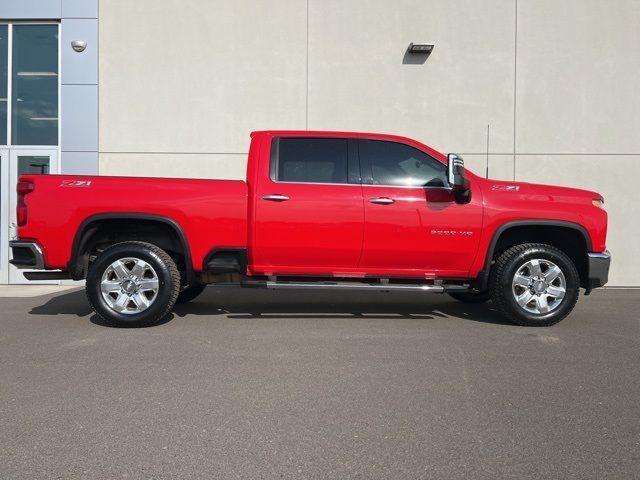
(457, 179)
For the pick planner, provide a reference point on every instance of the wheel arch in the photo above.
(91, 226)
(572, 238)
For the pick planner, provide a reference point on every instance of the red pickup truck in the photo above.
(322, 210)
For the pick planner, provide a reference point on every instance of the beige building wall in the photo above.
(182, 84)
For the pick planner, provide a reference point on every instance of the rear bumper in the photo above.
(598, 269)
(26, 255)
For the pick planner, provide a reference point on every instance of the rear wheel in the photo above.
(471, 297)
(133, 284)
(534, 284)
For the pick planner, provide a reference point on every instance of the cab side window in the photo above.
(310, 160)
(397, 164)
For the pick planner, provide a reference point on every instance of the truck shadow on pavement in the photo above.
(243, 303)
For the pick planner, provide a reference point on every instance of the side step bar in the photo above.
(47, 275)
(380, 287)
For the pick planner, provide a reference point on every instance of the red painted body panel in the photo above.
(324, 229)
(517, 201)
(319, 227)
(420, 227)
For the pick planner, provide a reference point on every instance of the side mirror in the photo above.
(457, 179)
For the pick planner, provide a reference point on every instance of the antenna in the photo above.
(487, 169)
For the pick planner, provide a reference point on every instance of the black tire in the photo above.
(190, 292)
(503, 292)
(161, 301)
(471, 297)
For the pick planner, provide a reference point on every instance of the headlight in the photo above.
(598, 202)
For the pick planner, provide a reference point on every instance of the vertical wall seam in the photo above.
(515, 86)
(61, 28)
(98, 85)
(10, 85)
(306, 122)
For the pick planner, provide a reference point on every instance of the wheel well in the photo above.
(568, 239)
(96, 235)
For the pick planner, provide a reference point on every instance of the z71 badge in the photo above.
(505, 188)
(75, 183)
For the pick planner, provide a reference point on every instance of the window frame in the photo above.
(353, 160)
(367, 170)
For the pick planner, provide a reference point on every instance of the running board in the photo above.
(380, 287)
(47, 275)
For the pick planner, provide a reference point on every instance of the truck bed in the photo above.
(196, 206)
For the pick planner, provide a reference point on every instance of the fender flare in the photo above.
(483, 277)
(76, 269)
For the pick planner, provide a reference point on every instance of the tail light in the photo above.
(23, 188)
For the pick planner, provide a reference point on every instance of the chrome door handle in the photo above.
(276, 198)
(382, 200)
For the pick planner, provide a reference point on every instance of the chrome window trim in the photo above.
(408, 186)
(361, 185)
(316, 183)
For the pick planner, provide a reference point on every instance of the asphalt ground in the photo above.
(264, 384)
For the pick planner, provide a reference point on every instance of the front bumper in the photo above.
(598, 269)
(26, 255)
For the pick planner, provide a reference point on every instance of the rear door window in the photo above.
(310, 160)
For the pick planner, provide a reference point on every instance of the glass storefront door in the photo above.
(29, 118)
(4, 216)
(24, 161)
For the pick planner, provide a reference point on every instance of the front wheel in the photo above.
(534, 285)
(133, 284)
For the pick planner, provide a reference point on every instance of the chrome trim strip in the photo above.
(353, 286)
(361, 185)
(406, 186)
(602, 256)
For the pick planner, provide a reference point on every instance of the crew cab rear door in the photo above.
(413, 226)
(309, 214)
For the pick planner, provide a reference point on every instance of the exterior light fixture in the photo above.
(421, 48)
(79, 45)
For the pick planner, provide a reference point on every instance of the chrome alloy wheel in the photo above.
(539, 286)
(129, 285)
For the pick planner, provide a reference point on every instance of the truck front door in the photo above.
(413, 227)
(308, 210)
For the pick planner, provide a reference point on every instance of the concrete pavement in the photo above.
(263, 384)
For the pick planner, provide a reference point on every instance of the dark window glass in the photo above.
(311, 160)
(4, 81)
(35, 85)
(397, 164)
(33, 164)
